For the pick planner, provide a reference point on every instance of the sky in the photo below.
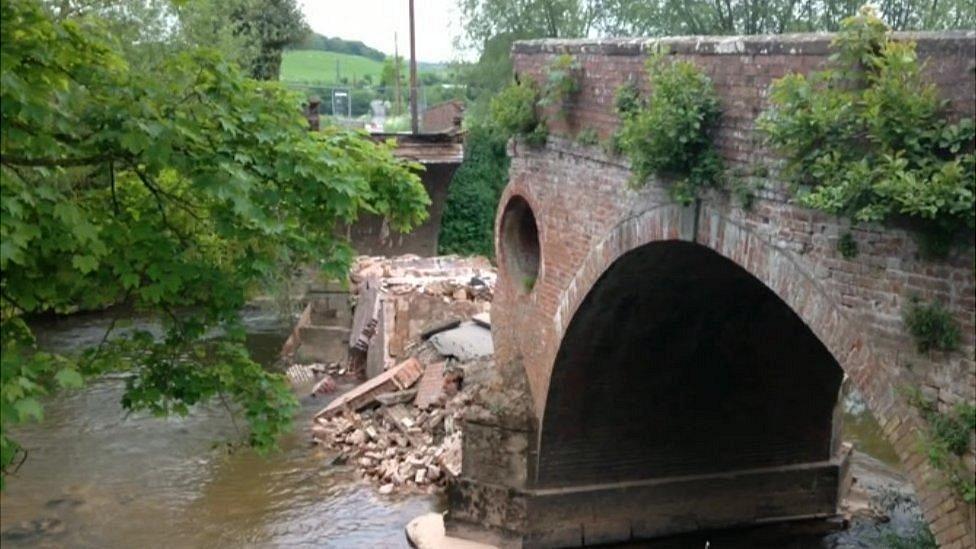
(374, 21)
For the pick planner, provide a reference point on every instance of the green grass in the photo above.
(320, 66)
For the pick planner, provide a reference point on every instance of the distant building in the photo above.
(442, 117)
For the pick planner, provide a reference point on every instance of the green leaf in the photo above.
(29, 408)
(69, 378)
(84, 263)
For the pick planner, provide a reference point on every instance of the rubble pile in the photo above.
(401, 437)
(420, 337)
(398, 447)
(449, 277)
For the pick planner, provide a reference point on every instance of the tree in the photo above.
(697, 17)
(178, 188)
(272, 25)
(483, 19)
(252, 33)
(468, 225)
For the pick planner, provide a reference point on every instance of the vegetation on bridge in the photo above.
(946, 440)
(669, 135)
(870, 139)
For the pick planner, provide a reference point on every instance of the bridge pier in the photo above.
(497, 501)
(597, 514)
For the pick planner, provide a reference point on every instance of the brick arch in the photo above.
(736, 243)
(785, 276)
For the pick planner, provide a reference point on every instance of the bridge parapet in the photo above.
(568, 217)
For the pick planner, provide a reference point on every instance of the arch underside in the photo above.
(679, 362)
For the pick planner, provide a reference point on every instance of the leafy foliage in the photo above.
(669, 135)
(513, 111)
(562, 81)
(869, 138)
(947, 439)
(468, 224)
(699, 17)
(627, 100)
(588, 137)
(272, 25)
(931, 326)
(177, 187)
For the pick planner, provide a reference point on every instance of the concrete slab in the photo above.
(466, 342)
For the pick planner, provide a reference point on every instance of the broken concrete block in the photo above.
(438, 328)
(466, 342)
(401, 376)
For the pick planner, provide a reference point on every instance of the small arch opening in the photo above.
(520, 243)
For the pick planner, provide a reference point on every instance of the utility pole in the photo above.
(414, 128)
(396, 74)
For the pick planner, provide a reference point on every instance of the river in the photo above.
(97, 477)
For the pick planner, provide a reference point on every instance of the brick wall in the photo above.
(588, 216)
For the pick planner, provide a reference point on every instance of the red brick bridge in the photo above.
(682, 363)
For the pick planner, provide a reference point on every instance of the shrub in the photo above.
(627, 100)
(869, 139)
(513, 111)
(669, 135)
(562, 80)
(946, 440)
(931, 326)
(468, 223)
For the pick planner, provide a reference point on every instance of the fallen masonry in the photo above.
(401, 437)
(420, 335)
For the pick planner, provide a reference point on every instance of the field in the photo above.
(320, 66)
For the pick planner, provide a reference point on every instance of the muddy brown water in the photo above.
(97, 477)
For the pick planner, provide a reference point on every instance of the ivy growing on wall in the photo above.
(946, 441)
(869, 139)
(669, 134)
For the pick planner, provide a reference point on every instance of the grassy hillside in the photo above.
(320, 66)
